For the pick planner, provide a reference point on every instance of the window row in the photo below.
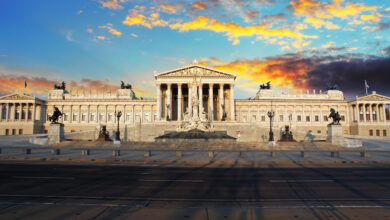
(101, 117)
(290, 118)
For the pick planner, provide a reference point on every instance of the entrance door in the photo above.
(13, 131)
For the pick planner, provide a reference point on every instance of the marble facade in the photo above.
(245, 119)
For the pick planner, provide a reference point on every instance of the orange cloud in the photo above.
(170, 8)
(135, 18)
(234, 31)
(112, 4)
(329, 44)
(284, 72)
(111, 30)
(198, 6)
(41, 86)
(316, 11)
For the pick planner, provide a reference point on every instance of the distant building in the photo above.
(143, 120)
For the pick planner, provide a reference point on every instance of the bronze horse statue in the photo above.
(56, 114)
(335, 116)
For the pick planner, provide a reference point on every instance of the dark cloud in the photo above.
(382, 26)
(277, 17)
(350, 74)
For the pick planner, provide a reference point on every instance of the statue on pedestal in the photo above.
(103, 134)
(287, 134)
(55, 116)
(335, 116)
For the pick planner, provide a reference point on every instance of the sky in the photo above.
(298, 45)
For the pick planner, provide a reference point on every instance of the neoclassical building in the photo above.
(245, 119)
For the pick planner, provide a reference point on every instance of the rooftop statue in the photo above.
(61, 86)
(56, 114)
(332, 87)
(335, 116)
(266, 85)
(123, 86)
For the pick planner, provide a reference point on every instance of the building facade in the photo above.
(247, 120)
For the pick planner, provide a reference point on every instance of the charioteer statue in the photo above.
(56, 115)
(335, 116)
(332, 87)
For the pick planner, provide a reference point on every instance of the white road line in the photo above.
(299, 181)
(150, 180)
(43, 177)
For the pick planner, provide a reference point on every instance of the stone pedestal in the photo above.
(335, 135)
(56, 133)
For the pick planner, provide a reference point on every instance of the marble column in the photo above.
(384, 112)
(179, 104)
(211, 102)
(124, 114)
(88, 114)
(7, 113)
(169, 109)
(97, 114)
(21, 111)
(14, 112)
(133, 113)
(105, 114)
(151, 113)
(62, 116)
(1, 111)
(190, 99)
(232, 105)
(34, 111)
(200, 98)
(79, 116)
(158, 101)
(142, 113)
(71, 114)
(220, 95)
(26, 114)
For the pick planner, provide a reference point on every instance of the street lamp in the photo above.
(271, 114)
(118, 115)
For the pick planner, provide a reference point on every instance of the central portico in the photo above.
(214, 88)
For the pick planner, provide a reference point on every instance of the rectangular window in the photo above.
(263, 118)
(384, 133)
(83, 117)
(101, 116)
(75, 117)
(253, 117)
(20, 131)
(244, 118)
(290, 117)
(316, 118)
(128, 117)
(6, 131)
(92, 117)
(319, 131)
(299, 118)
(325, 118)
(65, 117)
(342, 118)
(371, 132)
(378, 133)
(280, 117)
(110, 117)
(307, 118)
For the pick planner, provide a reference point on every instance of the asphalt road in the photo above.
(107, 192)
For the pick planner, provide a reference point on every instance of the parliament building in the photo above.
(244, 119)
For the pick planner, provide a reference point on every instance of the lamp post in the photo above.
(117, 135)
(271, 114)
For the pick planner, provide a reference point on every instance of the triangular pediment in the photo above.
(373, 97)
(17, 96)
(195, 70)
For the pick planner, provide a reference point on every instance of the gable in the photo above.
(373, 97)
(195, 70)
(17, 97)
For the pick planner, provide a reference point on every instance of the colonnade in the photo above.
(370, 112)
(18, 111)
(174, 99)
(101, 113)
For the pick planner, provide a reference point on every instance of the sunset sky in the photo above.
(295, 44)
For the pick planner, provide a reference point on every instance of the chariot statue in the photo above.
(335, 116)
(266, 85)
(61, 86)
(123, 86)
(332, 87)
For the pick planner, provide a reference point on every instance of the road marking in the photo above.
(191, 181)
(299, 181)
(43, 177)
